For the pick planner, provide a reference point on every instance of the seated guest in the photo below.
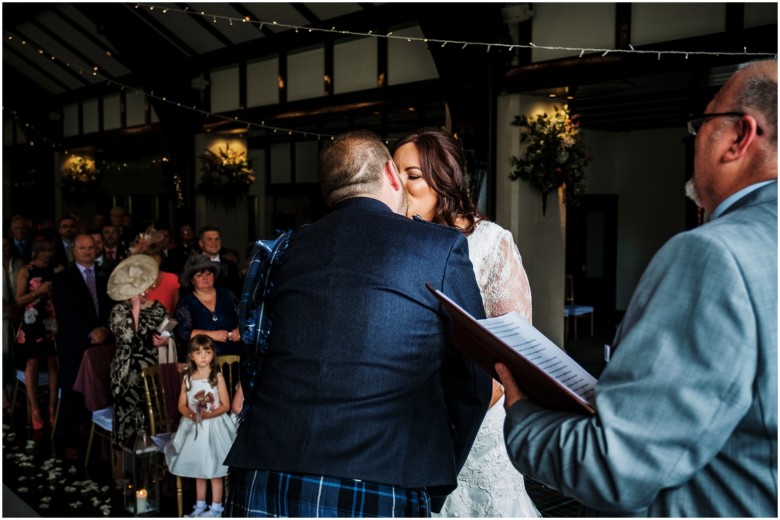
(207, 309)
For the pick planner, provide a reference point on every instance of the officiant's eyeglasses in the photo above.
(695, 124)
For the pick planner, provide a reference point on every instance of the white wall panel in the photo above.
(572, 25)
(409, 61)
(91, 119)
(135, 103)
(354, 65)
(224, 89)
(304, 74)
(651, 23)
(262, 79)
(112, 112)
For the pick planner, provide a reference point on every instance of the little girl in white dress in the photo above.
(206, 431)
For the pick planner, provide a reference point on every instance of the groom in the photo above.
(362, 408)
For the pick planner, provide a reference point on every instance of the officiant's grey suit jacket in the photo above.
(686, 420)
(359, 381)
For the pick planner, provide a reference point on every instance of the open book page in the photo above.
(544, 372)
(527, 341)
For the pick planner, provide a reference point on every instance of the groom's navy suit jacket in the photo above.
(359, 380)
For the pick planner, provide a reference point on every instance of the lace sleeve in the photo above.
(507, 288)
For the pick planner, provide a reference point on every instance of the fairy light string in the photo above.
(486, 45)
(95, 71)
(215, 18)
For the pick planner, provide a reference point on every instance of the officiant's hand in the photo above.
(512, 392)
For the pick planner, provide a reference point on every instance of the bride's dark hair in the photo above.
(443, 166)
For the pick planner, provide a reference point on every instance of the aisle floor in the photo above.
(38, 481)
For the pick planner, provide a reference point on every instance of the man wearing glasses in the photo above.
(686, 411)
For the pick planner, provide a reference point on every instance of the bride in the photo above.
(431, 163)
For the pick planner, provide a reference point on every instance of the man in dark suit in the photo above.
(21, 245)
(362, 407)
(210, 243)
(183, 249)
(82, 318)
(63, 246)
(126, 234)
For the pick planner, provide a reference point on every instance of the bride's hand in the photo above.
(498, 391)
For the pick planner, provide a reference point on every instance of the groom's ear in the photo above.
(391, 172)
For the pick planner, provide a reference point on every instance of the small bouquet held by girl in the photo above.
(206, 431)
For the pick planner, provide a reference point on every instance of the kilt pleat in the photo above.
(253, 493)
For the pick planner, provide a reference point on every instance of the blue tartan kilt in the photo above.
(274, 494)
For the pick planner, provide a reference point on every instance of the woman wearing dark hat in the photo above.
(133, 321)
(208, 310)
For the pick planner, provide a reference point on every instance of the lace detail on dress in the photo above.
(499, 269)
(488, 484)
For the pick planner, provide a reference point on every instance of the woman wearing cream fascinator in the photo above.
(134, 321)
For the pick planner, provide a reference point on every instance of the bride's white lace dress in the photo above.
(488, 484)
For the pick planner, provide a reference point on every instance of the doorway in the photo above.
(591, 256)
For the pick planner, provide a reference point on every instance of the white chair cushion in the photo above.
(43, 377)
(161, 440)
(577, 310)
(104, 418)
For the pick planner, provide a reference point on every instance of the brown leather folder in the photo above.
(481, 345)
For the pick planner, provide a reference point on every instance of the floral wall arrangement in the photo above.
(80, 179)
(226, 176)
(554, 154)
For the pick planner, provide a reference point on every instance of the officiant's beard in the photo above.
(692, 192)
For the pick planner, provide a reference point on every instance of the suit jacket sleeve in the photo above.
(677, 386)
(467, 388)
(71, 319)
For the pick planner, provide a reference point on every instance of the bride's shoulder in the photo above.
(487, 230)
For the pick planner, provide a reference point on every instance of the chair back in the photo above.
(569, 290)
(157, 409)
(230, 366)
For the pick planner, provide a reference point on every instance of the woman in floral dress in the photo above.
(133, 321)
(35, 338)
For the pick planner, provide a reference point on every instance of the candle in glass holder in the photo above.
(140, 501)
